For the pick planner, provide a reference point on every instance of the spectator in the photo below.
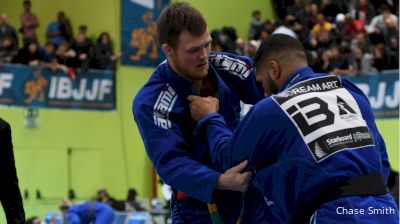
(131, 204)
(252, 49)
(331, 8)
(29, 22)
(6, 30)
(81, 46)
(378, 26)
(104, 57)
(363, 11)
(64, 55)
(321, 26)
(8, 51)
(255, 25)
(339, 61)
(59, 30)
(29, 55)
(383, 60)
(49, 52)
(353, 27)
(104, 197)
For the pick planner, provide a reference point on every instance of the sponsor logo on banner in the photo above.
(163, 106)
(326, 115)
(234, 66)
(138, 32)
(42, 87)
(383, 92)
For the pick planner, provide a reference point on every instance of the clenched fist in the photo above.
(202, 106)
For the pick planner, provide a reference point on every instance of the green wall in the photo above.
(109, 139)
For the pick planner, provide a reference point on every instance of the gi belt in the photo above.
(370, 184)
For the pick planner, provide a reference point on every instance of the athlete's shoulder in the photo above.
(227, 63)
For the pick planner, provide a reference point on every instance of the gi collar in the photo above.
(296, 76)
(177, 81)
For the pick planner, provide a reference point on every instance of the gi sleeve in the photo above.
(168, 150)
(247, 142)
(238, 71)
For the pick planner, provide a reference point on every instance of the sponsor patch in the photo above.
(326, 115)
(163, 106)
(234, 66)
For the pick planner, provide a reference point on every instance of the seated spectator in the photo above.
(7, 50)
(6, 30)
(383, 60)
(104, 197)
(363, 11)
(131, 204)
(82, 46)
(103, 56)
(331, 8)
(362, 61)
(378, 23)
(29, 55)
(49, 52)
(353, 27)
(59, 30)
(340, 61)
(321, 26)
(64, 55)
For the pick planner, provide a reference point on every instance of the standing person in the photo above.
(10, 195)
(87, 212)
(161, 112)
(29, 22)
(314, 144)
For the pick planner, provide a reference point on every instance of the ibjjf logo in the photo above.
(163, 107)
(326, 115)
(232, 65)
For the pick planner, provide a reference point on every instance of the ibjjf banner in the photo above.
(41, 87)
(138, 32)
(383, 92)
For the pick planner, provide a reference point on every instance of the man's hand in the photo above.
(202, 106)
(233, 179)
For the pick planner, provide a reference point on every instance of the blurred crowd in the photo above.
(340, 37)
(62, 49)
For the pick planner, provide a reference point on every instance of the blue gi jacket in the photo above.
(79, 214)
(161, 111)
(319, 131)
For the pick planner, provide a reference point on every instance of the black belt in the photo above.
(370, 184)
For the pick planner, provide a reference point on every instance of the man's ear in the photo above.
(166, 49)
(276, 72)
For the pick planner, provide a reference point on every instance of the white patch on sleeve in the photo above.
(234, 66)
(163, 106)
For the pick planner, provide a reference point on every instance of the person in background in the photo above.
(6, 30)
(131, 204)
(29, 22)
(86, 212)
(59, 30)
(10, 196)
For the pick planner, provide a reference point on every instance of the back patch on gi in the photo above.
(162, 108)
(326, 115)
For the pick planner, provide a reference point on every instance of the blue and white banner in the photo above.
(41, 87)
(383, 92)
(138, 32)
